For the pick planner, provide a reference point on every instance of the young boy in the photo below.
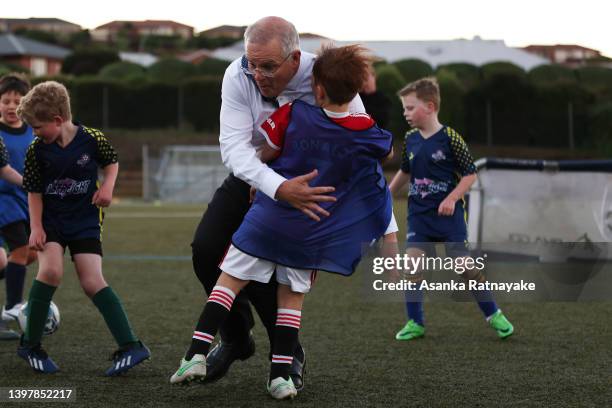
(9, 174)
(14, 224)
(275, 237)
(61, 177)
(441, 170)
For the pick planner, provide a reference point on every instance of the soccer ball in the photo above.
(51, 325)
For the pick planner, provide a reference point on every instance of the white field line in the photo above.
(160, 214)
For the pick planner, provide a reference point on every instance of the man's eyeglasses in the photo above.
(267, 70)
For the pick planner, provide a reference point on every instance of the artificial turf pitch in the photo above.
(559, 356)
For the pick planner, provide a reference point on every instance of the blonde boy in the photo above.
(61, 177)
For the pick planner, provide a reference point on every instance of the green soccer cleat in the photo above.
(410, 331)
(501, 325)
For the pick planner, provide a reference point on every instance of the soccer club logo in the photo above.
(437, 156)
(83, 160)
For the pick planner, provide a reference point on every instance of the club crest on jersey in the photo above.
(83, 160)
(439, 155)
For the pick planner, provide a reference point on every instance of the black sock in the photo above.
(285, 342)
(214, 314)
(15, 277)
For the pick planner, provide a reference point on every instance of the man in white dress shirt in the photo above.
(272, 72)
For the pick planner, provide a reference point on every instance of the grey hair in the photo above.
(265, 30)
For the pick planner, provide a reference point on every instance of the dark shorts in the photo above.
(424, 231)
(76, 246)
(16, 234)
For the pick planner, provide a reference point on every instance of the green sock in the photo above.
(38, 310)
(109, 305)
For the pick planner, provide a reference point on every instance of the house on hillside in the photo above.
(52, 25)
(110, 31)
(225, 31)
(570, 55)
(39, 58)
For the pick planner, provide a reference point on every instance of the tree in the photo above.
(467, 74)
(549, 74)
(413, 69)
(493, 69)
(212, 66)
(88, 62)
(121, 70)
(171, 70)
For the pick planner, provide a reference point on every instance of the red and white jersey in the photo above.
(275, 127)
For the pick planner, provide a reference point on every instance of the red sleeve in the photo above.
(275, 126)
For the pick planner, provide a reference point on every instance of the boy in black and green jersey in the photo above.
(65, 201)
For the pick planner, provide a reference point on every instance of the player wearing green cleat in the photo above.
(410, 331)
(500, 323)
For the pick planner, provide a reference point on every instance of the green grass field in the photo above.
(560, 355)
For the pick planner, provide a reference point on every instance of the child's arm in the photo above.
(447, 207)
(268, 153)
(388, 158)
(38, 238)
(465, 167)
(11, 175)
(104, 195)
(400, 179)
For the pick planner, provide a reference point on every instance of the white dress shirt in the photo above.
(243, 110)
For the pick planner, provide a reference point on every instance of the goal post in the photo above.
(183, 174)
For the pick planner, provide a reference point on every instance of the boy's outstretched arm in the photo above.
(447, 207)
(104, 195)
(399, 180)
(38, 238)
(11, 175)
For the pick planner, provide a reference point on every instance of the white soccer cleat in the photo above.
(192, 370)
(12, 314)
(280, 389)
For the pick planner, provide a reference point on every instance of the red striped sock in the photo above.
(215, 311)
(223, 296)
(285, 341)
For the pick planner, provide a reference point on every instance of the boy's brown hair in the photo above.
(426, 89)
(341, 71)
(14, 82)
(45, 101)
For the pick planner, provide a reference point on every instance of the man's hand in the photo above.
(447, 207)
(38, 238)
(299, 194)
(102, 197)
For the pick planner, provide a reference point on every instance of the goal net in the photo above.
(529, 207)
(184, 174)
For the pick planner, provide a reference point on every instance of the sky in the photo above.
(517, 22)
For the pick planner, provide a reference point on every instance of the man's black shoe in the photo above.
(298, 368)
(221, 357)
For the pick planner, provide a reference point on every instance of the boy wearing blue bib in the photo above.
(14, 223)
(274, 237)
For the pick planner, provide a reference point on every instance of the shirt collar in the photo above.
(336, 115)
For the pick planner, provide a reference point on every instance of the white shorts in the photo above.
(246, 267)
(392, 227)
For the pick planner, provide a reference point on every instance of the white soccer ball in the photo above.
(52, 323)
